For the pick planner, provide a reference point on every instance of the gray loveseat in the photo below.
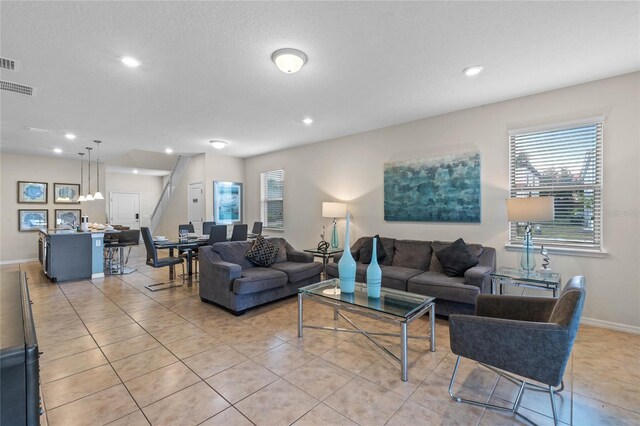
(229, 279)
(412, 265)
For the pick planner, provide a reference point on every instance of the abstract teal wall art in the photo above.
(437, 189)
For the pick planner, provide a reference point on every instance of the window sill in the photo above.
(561, 250)
(274, 229)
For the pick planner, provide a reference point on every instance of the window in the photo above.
(272, 199)
(564, 162)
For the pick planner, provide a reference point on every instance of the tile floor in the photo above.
(116, 353)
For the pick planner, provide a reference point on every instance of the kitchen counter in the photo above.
(68, 255)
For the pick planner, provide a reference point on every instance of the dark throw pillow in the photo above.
(262, 252)
(456, 259)
(367, 249)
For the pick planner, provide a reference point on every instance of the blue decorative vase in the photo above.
(347, 266)
(528, 260)
(374, 274)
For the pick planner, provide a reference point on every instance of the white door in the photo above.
(124, 209)
(196, 206)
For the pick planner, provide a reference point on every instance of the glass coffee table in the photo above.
(393, 306)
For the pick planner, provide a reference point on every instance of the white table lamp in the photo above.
(527, 210)
(334, 210)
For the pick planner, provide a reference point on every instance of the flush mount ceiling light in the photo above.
(57, 150)
(307, 120)
(168, 151)
(218, 144)
(473, 70)
(130, 61)
(70, 136)
(289, 60)
(135, 172)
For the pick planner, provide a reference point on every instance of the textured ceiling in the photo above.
(206, 71)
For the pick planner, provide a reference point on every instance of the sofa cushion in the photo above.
(361, 271)
(456, 258)
(262, 252)
(366, 252)
(281, 256)
(412, 254)
(297, 271)
(435, 266)
(234, 252)
(389, 249)
(257, 279)
(441, 286)
(396, 276)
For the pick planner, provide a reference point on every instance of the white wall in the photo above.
(351, 169)
(202, 168)
(149, 187)
(15, 245)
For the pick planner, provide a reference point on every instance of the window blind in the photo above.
(272, 199)
(565, 163)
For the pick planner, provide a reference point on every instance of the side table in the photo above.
(529, 279)
(325, 255)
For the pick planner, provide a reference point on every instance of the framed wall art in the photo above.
(32, 192)
(68, 218)
(32, 220)
(227, 202)
(437, 189)
(66, 193)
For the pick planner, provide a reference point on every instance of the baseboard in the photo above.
(9, 262)
(98, 275)
(611, 325)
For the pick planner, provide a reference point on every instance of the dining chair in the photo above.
(155, 262)
(186, 227)
(240, 232)
(217, 234)
(257, 228)
(206, 227)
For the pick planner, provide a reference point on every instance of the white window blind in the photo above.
(272, 199)
(565, 163)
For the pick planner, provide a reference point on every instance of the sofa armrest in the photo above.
(299, 256)
(478, 276)
(520, 308)
(536, 350)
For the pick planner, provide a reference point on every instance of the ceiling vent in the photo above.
(17, 88)
(9, 64)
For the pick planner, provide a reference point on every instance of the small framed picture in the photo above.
(68, 218)
(32, 220)
(227, 202)
(32, 192)
(66, 193)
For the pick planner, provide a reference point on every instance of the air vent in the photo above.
(9, 64)
(17, 88)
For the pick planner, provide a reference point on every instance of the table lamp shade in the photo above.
(530, 209)
(330, 209)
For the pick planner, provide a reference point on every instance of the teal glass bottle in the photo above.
(347, 266)
(374, 274)
(528, 260)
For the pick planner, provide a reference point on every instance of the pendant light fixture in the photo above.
(81, 197)
(89, 197)
(98, 195)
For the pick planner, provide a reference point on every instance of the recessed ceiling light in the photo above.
(135, 171)
(57, 150)
(307, 120)
(70, 136)
(130, 61)
(289, 60)
(473, 70)
(218, 144)
(168, 150)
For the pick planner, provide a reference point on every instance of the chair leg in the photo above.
(151, 286)
(553, 406)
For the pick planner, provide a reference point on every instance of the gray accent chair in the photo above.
(412, 265)
(229, 279)
(528, 336)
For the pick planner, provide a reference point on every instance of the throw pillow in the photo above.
(366, 252)
(262, 252)
(456, 258)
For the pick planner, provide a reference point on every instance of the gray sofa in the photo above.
(412, 265)
(229, 279)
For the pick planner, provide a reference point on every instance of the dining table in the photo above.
(186, 245)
